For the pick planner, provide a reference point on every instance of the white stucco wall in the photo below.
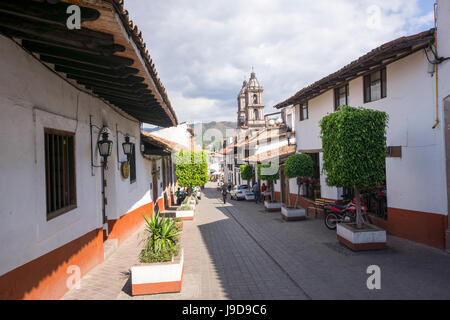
(443, 48)
(31, 98)
(178, 134)
(416, 181)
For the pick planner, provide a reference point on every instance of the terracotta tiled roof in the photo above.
(164, 143)
(282, 153)
(262, 136)
(136, 34)
(384, 54)
(229, 148)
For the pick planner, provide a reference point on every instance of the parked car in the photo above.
(249, 195)
(239, 192)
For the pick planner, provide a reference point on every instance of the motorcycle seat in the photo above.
(338, 206)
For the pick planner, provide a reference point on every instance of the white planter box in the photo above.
(373, 238)
(272, 206)
(185, 214)
(151, 278)
(292, 214)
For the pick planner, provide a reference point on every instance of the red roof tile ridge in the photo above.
(139, 41)
(384, 47)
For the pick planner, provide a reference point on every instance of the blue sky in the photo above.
(203, 50)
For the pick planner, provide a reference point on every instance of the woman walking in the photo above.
(224, 192)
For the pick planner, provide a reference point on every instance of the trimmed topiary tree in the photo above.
(298, 166)
(191, 168)
(247, 173)
(354, 150)
(269, 172)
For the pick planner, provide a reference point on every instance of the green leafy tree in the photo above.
(354, 150)
(269, 172)
(191, 168)
(298, 166)
(247, 173)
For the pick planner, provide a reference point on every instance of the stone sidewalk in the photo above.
(238, 251)
(111, 280)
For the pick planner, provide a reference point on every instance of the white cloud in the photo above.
(203, 49)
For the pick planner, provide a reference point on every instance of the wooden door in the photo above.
(284, 186)
(154, 184)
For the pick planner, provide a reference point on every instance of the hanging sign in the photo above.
(125, 170)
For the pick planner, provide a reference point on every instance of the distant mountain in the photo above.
(222, 126)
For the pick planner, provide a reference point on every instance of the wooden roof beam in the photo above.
(131, 102)
(113, 62)
(54, 13)
(100, 76)
(122, 84)
(128, 96)
(83, 40)
(136, 93)
(129, 90)
(125, 71)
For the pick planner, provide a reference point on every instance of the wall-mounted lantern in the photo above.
(157, 172)
(289, 135)
(105, 147)
(127, 147)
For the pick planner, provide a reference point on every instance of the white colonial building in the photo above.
(399, 79)
(61, 203)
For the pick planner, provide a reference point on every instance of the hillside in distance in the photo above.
(222, 126)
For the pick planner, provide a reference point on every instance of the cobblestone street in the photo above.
(238, 251)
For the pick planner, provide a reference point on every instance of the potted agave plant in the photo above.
(161, 263)
(299, 166)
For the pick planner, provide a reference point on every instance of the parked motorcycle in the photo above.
(335, 213)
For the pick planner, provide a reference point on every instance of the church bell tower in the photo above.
(250, 105)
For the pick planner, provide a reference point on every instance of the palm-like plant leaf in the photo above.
(163, 232)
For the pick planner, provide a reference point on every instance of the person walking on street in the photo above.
(263, 191)
(256, 192)
(178, 194)
(224, 192)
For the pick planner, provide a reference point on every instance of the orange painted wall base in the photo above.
(126, 225)
(423, 227)
(277, 195)
(45, 277)
(157, 287)
(161, 204)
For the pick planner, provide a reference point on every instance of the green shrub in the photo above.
(191, 168)
(187, 199)
(162, 241)
(354, 149)
(185, 207)
(298, 166)
(148, 256)
(246, 173)
(269, 172)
